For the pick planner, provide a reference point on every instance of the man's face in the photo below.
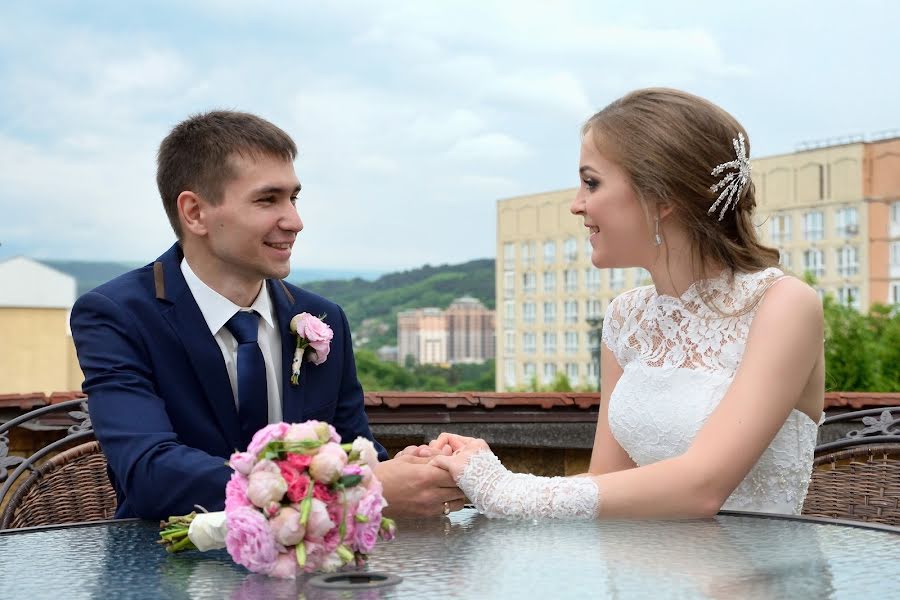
(250, 233)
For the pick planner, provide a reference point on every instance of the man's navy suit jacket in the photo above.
(159, 396)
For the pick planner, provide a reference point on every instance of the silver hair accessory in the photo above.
(732, 184)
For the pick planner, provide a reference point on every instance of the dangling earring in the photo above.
(657, 238)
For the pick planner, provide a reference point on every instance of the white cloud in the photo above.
(489, 147)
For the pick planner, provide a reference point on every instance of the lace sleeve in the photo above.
(497, 492)
(613, 322)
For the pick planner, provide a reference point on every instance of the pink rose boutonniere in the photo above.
(313, 335)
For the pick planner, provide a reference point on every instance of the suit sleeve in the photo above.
(351, 420)
(158, 475)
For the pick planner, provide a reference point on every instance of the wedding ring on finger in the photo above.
(446, 508)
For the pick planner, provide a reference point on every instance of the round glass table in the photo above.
(735, 555)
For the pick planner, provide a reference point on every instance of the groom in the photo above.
(186, 357)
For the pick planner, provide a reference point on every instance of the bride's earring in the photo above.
(657, 238)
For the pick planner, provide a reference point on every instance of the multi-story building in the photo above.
(833, 211)
(37, 353)
(464, 333)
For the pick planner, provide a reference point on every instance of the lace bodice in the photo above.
(679, 356)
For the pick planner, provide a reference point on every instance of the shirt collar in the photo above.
(216, 308)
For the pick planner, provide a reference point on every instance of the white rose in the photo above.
(207, 531)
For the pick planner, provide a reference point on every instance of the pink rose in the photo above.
(285, 567)
(316, 333)
(250, 541)
(236, 493)
(261, 438)
(242, 462)
(299, 461)
(319, 523)
(321, 492)
(286, 526)
(327, 464)
(266, 485)
(366, 534)
(297, 481)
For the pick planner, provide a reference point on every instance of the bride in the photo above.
(713, 377)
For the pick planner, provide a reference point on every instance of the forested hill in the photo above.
(372, 306)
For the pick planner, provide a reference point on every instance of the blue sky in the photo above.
(412, 118)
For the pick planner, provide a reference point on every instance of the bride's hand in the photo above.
(463, 449)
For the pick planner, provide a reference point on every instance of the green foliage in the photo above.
(862, 352)
(382, 299)
(378, 375)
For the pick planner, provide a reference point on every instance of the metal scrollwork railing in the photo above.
(880, 425)
(80, 431)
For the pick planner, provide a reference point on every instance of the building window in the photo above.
(784, 258)
(641, 276)
(509, 283)
(588, 249)
(847, 222)
(549, 252)
(549, 343)
(593, 373)
(592, 279)
(571, 342)
(528, 253)
(895, 254)
(529, 343)
(528, 312)
(549, 312)
(895, 219)
(509, 372)
(529, 371)
(529, 281)
(510, 345)
(814, 226)
(509, 255)
(509, 313)
(571, 311)
(616, 279)
(549, 281)
(814, 262)
(572, 373)
(848, 261)
(549, 373)
(571, 280)
(848, 295)
(570, 249)
(593, 309)
(895, 293)
(781, 228)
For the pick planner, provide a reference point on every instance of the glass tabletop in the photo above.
(470, 556)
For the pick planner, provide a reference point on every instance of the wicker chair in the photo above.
(858, 476)
(69, 487)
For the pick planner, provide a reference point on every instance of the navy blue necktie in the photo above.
(252, 392)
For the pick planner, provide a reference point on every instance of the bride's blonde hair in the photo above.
(669, 141)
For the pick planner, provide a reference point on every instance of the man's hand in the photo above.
(415, 488)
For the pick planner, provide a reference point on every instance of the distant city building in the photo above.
(464, 333)
(37, 353)
(387, 353)
(832, 211)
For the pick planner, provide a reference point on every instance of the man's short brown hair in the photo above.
(196, 155)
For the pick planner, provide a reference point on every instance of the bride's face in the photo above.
(616, 220)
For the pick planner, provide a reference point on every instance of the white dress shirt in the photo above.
(217, 310)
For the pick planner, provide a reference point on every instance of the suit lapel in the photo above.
(291, 395)
(203, 352)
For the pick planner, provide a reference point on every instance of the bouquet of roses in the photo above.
(298, 500)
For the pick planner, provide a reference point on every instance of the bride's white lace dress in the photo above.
(678, 357)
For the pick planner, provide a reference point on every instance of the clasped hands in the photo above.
(449, 451)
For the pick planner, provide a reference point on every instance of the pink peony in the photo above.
(302, 432)
(266, 485)
(327, 464)
(315, 554)
(351, 470)
(319, 523)
(285, 567)
(250, 541)
(261, 438)
(236, 493)
(242, 462)
(297, 481)
(366, 534)
(286, 526)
